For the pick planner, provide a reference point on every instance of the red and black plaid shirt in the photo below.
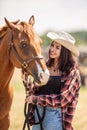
(67, 99)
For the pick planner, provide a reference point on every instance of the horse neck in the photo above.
(6, 67)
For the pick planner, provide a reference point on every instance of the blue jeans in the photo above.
(52, 119)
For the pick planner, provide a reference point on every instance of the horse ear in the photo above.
(15, 22)
(32, 20)
(11, 25)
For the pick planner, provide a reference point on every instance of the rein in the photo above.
(25, 64)
(28, 107)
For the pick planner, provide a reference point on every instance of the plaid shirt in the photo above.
(67, 99)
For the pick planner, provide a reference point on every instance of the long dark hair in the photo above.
(66, 61)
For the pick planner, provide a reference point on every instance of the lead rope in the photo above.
(27, 81)
(26, 106)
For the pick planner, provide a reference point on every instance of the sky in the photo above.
(65, 15)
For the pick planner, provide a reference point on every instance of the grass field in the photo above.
(17, 115)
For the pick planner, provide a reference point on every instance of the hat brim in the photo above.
(66, 44)
(69, 46)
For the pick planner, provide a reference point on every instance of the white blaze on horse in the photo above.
(20, 47)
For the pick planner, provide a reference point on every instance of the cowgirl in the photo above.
(60, 95)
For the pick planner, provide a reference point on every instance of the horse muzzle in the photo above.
(42, 77)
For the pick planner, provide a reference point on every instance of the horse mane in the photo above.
(30, 32)
(26, 29)
(3, 31)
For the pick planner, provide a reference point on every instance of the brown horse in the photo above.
(20, 47)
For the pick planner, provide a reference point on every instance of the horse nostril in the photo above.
(41, 75)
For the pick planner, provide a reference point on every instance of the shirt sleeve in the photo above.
(68, 92)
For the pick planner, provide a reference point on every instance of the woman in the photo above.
(59, 96)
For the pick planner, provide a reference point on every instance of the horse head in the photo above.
(25, 49)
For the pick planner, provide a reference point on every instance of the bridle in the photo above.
(24, 64)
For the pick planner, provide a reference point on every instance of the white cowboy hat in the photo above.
(66, 40)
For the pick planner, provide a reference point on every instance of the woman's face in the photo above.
(55, 50)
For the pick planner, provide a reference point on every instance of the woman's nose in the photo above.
(52, 49)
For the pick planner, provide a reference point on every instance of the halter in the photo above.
(25, 64)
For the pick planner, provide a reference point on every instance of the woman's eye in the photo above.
(57, 47)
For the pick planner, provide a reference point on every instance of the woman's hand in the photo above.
(29, 99)
(32, 99)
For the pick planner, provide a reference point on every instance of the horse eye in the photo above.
(23, 45)
(24, 48)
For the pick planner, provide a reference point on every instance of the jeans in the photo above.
(52, 119)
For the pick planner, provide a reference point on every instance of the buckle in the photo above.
(24, 65)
